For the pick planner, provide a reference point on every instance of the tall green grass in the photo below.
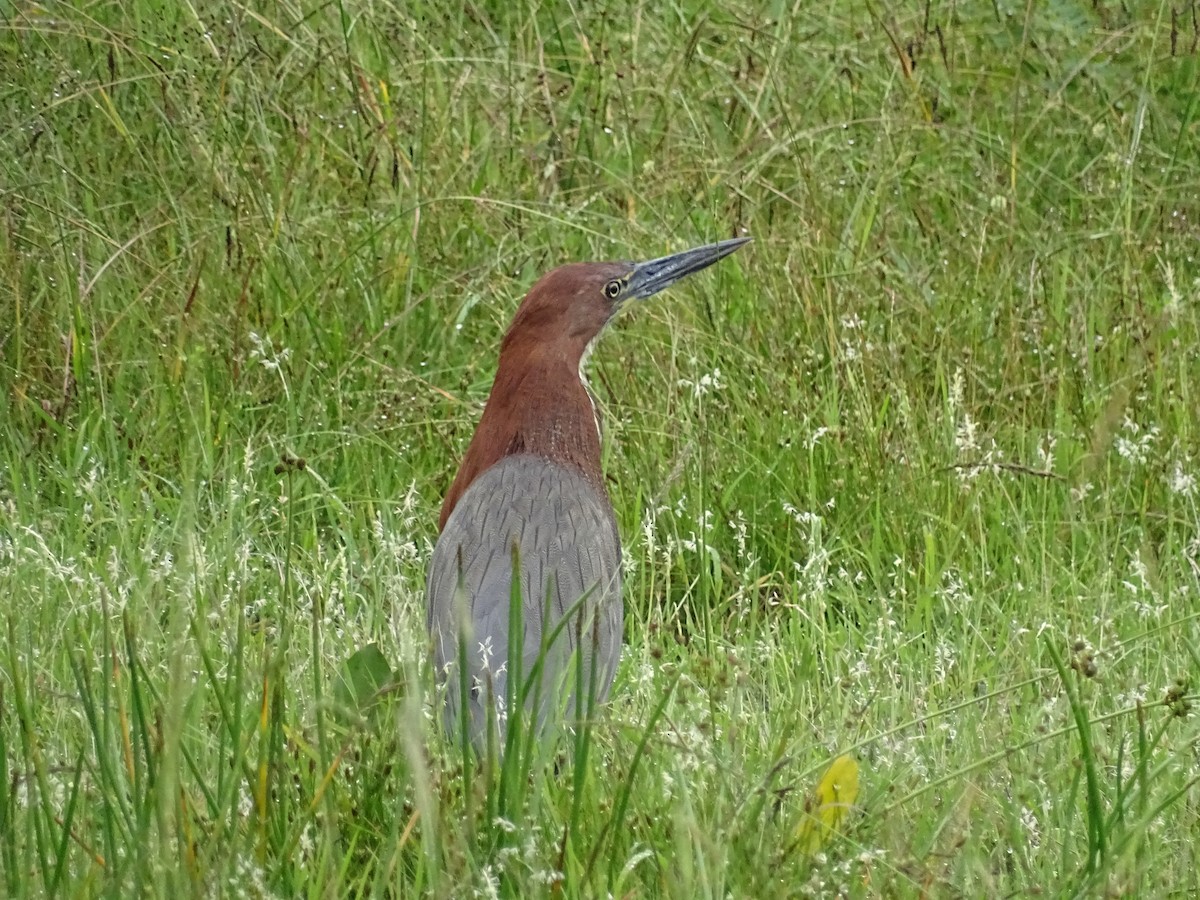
(912, 477)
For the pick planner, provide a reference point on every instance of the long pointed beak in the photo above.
(650, 277)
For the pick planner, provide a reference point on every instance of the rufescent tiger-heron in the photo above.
(529, 498)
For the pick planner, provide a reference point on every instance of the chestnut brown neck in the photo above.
(538, 405)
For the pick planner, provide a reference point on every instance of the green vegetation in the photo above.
(913, 477)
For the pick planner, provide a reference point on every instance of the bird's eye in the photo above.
(613, 289)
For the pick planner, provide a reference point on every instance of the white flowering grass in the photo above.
(911, 479)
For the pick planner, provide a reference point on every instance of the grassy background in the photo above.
(913, 476)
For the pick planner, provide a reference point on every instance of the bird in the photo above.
(525, 576)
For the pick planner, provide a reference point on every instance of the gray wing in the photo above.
(569, 565)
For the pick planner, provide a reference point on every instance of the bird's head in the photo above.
(568, 308)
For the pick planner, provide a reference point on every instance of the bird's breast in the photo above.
(543, 527)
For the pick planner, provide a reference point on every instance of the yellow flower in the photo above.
(828, 806)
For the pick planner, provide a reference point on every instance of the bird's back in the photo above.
(565, 538)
